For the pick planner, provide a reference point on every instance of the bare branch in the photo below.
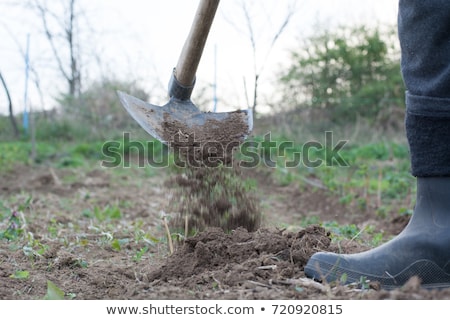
(43, 15)
(251, 31)
(70, 70)
(248, 21)
(289, 14)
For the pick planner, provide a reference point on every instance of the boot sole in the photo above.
(431, 275)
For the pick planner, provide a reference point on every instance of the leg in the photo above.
(424, 33)
(423, 248)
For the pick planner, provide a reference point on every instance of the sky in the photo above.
(141, 40)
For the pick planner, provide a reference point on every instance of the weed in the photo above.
(343, 278)
(101, 214)
(140, 253)
(364, 283)
(16, 221)
(34, 248)
(342, 231)
(72, 161)
(53, 228)
(377, 239)
(147, 238)
(14, 229)
(117, 244)
(347, 199)
(12, 153)
(405, 211)
(20, 274)
(382, 211)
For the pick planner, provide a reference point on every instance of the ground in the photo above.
(99, 233)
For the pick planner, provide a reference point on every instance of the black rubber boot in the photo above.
(422, 249)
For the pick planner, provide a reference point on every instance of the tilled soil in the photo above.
(75, 250)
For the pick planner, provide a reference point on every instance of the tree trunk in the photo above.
(11, 114)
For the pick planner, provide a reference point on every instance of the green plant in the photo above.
(20, 274)
(339, 231)
(117, 244)
(140, 253)
(34, 247)
(14, 228)
(12, 153)
(101, 214)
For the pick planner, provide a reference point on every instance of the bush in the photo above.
(348, 72)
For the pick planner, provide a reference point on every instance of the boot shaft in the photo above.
(433, 202)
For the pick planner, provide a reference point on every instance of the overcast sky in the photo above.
(142, 39)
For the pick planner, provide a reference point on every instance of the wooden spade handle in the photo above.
(193, 47)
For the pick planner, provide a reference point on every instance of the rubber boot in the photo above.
(422, 249)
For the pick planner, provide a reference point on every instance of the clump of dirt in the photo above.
(233, 259)
(207, 145)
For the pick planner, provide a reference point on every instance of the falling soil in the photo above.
(213, 197)
(209, 185)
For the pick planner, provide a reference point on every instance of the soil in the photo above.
(207, 140)
(213, 197)
(69, 243)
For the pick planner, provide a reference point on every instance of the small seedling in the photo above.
(109, 212)
(138, 256)
(343, 278)
(364, 283)
(117, 244)
(34, 248)
(20, 274)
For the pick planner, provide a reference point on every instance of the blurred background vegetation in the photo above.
(342, 78)
(345, 80)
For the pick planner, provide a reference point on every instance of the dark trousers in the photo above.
(424, 34)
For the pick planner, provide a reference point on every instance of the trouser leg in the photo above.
(424, 34)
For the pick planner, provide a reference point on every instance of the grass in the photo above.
(380, 169)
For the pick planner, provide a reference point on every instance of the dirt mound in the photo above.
(266, 264)
(241, 257)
